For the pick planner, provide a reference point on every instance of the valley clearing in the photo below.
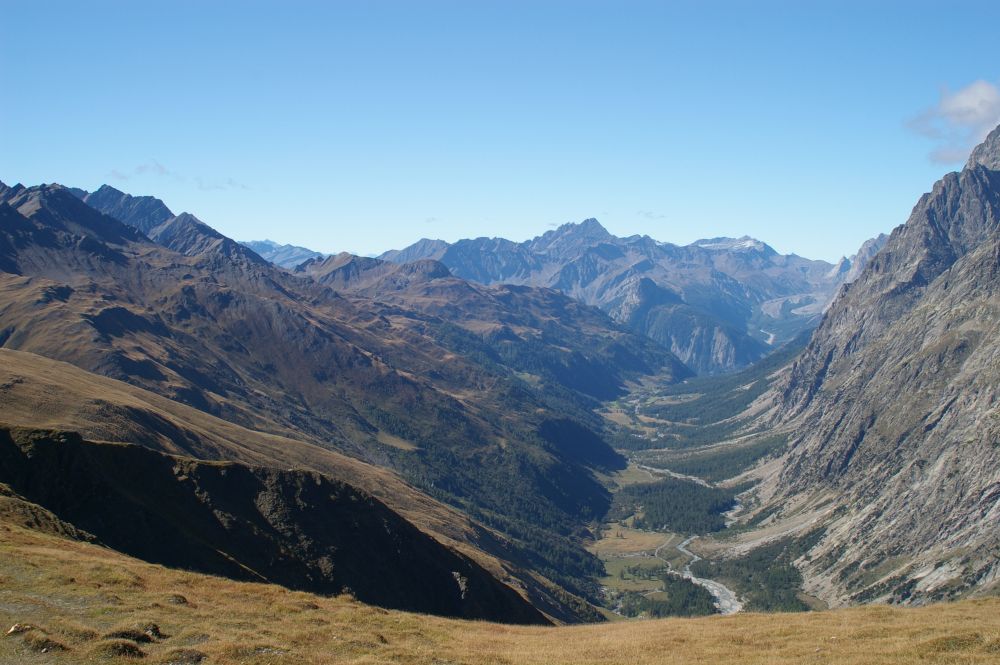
(81, 603)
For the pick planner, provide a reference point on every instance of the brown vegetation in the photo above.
(73, 592)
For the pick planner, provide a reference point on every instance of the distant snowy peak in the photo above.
(744, 244)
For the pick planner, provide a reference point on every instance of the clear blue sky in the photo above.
(364, 126)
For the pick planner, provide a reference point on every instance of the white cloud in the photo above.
(960, 120)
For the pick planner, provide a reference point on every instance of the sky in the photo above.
(364, 126)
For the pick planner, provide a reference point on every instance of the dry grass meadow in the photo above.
(87, 604)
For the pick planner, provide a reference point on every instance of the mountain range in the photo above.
(461, 414)
(718, 304)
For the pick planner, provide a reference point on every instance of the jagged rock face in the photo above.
(141, 212)
(286, 256)
(182, 233)
(295, 528)
(188, 235)
(868, 250)
(987, 154)
(732, 298)
(702, 342)
(896, 405)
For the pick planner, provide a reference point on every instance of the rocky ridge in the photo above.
(894, 409)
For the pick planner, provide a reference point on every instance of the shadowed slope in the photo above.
(296, 528)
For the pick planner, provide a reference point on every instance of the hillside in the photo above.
(541, 333)
(299, 529)
(116, 606)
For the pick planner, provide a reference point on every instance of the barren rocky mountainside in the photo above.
(143, 212)
(893, 409)
(719, 304)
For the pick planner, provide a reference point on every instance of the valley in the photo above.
(704, 484)
(393, 437)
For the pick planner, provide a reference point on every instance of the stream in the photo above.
(725, 598)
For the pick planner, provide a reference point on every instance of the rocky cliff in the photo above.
(895, 407)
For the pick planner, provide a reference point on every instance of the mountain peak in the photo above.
(744, 243)
(589, 228)
(140, 212)
(591, 225)
(987, 153)
(571, 235)
(108, 189)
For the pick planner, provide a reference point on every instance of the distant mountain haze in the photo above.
(719, 304)
(286, 256)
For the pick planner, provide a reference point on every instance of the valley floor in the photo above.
(76, 595)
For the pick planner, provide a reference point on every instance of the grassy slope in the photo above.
(76, 592)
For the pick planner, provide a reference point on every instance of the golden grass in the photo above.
(631, 475)
(617, 540)
(617, 417)
(75, 593)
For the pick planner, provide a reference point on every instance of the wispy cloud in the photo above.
(156, 169)
(959, 121)
(649, 214)
(151, 167)
(431, 220)
(207, 185)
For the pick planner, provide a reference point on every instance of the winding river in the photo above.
(725, 598)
